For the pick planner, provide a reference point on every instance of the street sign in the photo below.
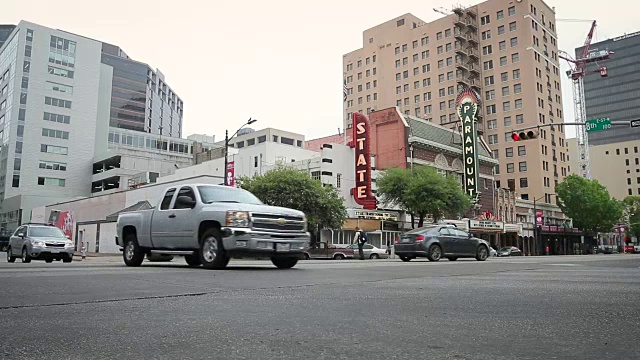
(635, 123)
(598, 124)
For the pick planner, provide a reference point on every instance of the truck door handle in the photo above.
(172, 216)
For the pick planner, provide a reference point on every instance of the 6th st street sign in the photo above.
(598, 124)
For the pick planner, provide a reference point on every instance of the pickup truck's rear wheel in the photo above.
(212, 254)
(132, 253)
(284, 263)
(193, 260)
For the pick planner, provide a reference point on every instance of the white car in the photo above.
(493, 252)
(370, 252)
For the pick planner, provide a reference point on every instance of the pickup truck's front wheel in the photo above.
(132, 254)
(212, 253)
(284, 263)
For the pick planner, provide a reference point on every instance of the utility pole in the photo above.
(226, 156)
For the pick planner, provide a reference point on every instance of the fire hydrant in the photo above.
(84, 251)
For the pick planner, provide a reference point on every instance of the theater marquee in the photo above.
(361, 138)
(467, 108)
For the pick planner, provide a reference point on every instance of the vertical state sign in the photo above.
(467, 109)
(361, 141)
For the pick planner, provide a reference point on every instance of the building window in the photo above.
(524, 183)
(507, 121)
(49, 165)
(57, 102)
(51, 149)
(522, 166)
(509, 152)
(522, 150)
(512, 10)
(262, 138)
(315, 175)
(58, 87)
(16, 181)
(514, 42)
(338, 181)
(61, 72)
(58, 134)
(287, 141)
(51, 181)
(64, 119)
(510, 167)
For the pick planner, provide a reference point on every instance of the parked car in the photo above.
(493, 252)
(323, 250)
(369, 251)
(39, 242)
(209, 225)
(438, 241)
(509, 251)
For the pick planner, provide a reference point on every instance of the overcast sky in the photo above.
(279, 61)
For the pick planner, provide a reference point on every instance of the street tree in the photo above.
(291, 188)
(422, 191)
(632, 211)
(588, 204)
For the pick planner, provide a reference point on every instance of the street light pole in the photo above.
(226, 147)
(226, 156)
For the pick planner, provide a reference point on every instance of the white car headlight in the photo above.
(237, 219)
(68, 244)
(37, 243)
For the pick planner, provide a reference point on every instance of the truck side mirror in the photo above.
(21, 235)
(186, 201)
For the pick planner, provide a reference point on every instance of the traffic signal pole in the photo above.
(613, 122)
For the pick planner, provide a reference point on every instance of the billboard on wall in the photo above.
(467, 108)
(362, 193)
(63, 220)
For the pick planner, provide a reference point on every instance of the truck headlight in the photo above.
(237, 219)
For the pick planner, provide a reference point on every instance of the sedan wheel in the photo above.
(435, 253)
(374, 256)
(25, 256)
(482, 253)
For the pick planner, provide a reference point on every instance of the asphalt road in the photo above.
(562, 307)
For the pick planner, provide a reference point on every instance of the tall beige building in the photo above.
(506, 50)
(615, 165)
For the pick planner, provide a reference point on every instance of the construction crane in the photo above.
(577, 72)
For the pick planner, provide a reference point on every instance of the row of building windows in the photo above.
(140, 141)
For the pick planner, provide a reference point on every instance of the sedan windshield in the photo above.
(505, 249)
(50, 232)
(422, 230)
(212, 194)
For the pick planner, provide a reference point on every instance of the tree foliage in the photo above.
(291, 188)
(632, 210)
(421, 192)
(589, 204)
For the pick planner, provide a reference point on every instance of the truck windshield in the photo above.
(211, 194)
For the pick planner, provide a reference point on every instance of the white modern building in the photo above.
(61, 96)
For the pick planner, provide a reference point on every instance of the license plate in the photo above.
(55, 251)
(405, 240)
(283, 247)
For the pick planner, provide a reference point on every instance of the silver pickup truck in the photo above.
(210, 224)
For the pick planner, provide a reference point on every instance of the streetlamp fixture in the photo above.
(226, 146)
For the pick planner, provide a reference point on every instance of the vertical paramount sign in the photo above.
(361, 138)
(467, 108)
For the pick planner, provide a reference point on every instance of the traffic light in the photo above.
(524, 135)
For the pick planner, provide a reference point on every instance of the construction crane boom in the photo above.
(577, 73)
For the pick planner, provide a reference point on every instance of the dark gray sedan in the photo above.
(438, 241)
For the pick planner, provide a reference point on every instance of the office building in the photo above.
(505, 50)
(616, 165)
(615, 96)
(62, 98)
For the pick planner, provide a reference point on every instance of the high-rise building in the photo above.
(507, 51)
(615, 96)
(5, 31)
(62, 96)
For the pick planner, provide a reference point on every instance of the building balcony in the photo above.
(461, 79)
(460, 21)
(461, 50)
(471, 37)
(473, 53)
(555, 159)
(475, 84)
(459, 34)
(474, 69)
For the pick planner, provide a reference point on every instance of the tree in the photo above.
(589, 204)
(632, 210)
(291, 188)
(422, 191)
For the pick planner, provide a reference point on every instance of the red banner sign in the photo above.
(361, 139)
(231, 173)
(539, 217)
